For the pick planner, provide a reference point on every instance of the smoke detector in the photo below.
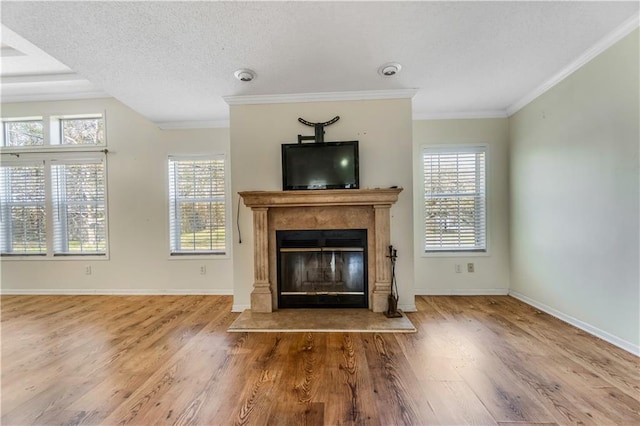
(244, 75)
(389, 69)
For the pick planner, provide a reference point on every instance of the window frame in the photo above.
(79, 160)
(52, 132)
(6, 208)
(50, 154)
(456, 252)
(57, 130)
(4, 137)
(193, 255)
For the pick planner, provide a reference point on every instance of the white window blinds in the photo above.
(197, 205)
(22, 212)
(79, 219)
(454, 198)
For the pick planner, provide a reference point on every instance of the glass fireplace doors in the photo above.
(322, 268)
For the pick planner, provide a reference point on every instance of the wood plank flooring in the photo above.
(169, 360)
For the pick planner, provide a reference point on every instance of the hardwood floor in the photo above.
(169, 360)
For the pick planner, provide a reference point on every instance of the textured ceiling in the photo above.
(174, 61)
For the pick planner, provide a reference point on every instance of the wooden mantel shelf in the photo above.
(325, 197)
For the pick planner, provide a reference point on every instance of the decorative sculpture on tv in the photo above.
(318, 137)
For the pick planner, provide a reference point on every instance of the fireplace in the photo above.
(322, 268)
(328, 212)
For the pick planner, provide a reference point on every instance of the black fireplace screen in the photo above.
(322, 268)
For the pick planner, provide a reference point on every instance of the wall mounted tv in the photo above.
(329, 165)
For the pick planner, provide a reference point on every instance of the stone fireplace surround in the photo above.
(320, 209)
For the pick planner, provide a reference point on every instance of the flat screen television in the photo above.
(329, 165)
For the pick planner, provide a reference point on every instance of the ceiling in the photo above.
(173, 62)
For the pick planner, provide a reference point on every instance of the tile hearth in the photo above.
(320, 320)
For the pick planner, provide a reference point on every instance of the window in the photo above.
(454, 198)
(64, 130)
(23, 132)
(53, 201)
(81, 130)
(79, 208)
(197, 205)
(22, 215)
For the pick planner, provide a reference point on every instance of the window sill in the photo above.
(201, 256)
(457, 253)
(72, 257)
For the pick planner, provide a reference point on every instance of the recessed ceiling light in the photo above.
(389, 69)
(245, 75)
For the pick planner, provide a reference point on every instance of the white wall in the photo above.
(575, 197)
(435, 273)
(383, 128)
(137, 212)
(564, 184)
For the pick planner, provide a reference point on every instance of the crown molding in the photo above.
(45, 97)
(47, 87)
(194, 124)
(320, 97)
(609, 40)
(42, 78)
(7, 51)
(462, 115)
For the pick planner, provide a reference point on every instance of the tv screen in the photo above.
(329, 165)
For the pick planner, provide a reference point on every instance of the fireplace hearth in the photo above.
(322, 268)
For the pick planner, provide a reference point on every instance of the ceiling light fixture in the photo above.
(245, 75)
(389, 69)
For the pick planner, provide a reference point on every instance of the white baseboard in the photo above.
(240, 308)
(119, 291)
(462, 292)
(407, 307)
(607, 337)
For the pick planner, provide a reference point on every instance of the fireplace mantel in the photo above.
(314, 198)
(320, 209)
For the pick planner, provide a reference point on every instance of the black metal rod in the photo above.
(55, 151)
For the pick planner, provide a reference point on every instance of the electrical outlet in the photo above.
(87, 270)
(203, 270)
(470, 267)
(458, 268)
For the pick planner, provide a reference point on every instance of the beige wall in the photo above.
(435, 273)
(575, 197)
(383, 128)
(563, 197)
(137, 212)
